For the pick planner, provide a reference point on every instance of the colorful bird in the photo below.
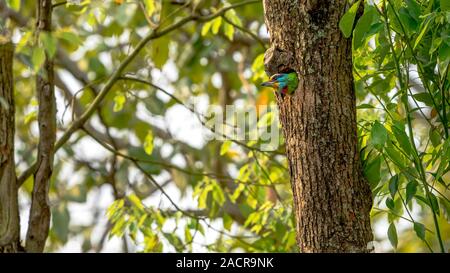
(283, 83)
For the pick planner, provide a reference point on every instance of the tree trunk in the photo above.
(332, 200)
(39, 221)
(9, 207)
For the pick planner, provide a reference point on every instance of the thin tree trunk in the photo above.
(9, 207)
(332, 200)
(39, 221)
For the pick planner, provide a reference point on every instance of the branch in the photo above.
(39, 220)
(9, 206)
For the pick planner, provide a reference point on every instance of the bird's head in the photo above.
(284, 83)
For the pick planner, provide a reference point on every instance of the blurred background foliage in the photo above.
(141, 176)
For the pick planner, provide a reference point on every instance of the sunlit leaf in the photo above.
(148, 144)
(225, 147)
(14, 4)
(216, 23)
(229, 31)
(119, 102)
(363, 26)
(38, 58)
(346, 22)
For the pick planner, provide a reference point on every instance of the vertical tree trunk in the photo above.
(9, 207)
(39, 220)
(332, 200)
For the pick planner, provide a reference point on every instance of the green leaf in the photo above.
(160, 51)
(77, 7)
(119, 101)
(218, 195)
(420, 230)
(390, 203)
(372, 172)
(232, 16)
(363, 26)
(150, 7)
(23, 42)
(96, 66)
(393, 185)
(206, 27)
(136, 201)
(407, 20)
(142, 220)
(114, 209)
(140, 154)
(435, 45)
(148, 143)
(422, 33)
(50, 43)
(202, 198)
(200, 228)
(60, 222)
(413, 9)
(346, 22)
(434, 203)
(229, 31)
(237, 192)
(70, 37)
(445, 208)
(395, 156)
(227, 221)
(225, 147)
(378, 135)
(411, 190)
(258, 62)
(160, 219)
(38, 58)
(423, 200)
(119, 227)
(187, 235)
(365, 106)
(216, 23)
(13, 4)
(424, 97)
(435, 137)
(32, 116)
(403, 140)
(444, 57)
(392, 235)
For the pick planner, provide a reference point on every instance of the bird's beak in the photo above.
(268, 84)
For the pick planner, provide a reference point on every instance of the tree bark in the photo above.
(332, 200)
(39, 221)
(9, 207)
